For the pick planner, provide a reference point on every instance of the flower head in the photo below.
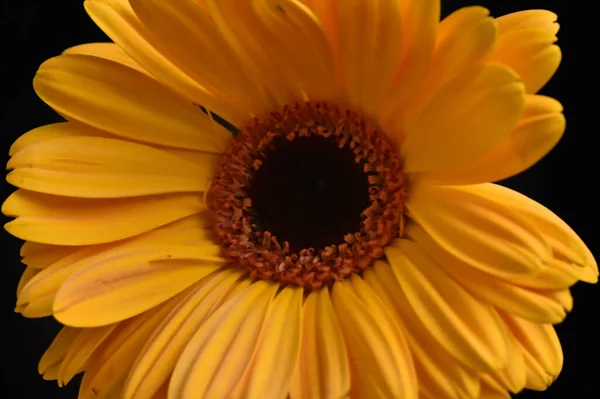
(264, 199)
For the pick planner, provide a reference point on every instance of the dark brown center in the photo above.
(307, 195)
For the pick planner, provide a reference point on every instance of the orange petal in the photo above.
(81, 350)
(545, 306)
(131, 282)
(57, 350)
(197, 47)
(479, 232)
(464, 39)
(274, 360)
(526, 44)
(120, 100)
(322, 370)
(97, 167)
(467, 117)
(470, 330)
(217, 356)
(419, 22)
(540, 128)
(439, 373)
(118, 21)
(157, 360)
(572, 258)
(540, 348)
(380, 360)
(108, 367)
(108, 51)
(59, 220)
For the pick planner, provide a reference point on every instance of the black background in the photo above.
(564, 181)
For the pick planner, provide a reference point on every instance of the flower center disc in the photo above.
(308, 194)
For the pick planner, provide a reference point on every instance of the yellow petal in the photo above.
(477, 231)
(545, 306)
(380, 361)
(540, 348)
(40, 256)
(120, 100)
(57, 350)
(108, 367)
(572, 257)
(108, 51)
(118, 21)
(156, 361)
(369, 32)
(80, 351)
(218, 354)
(301, 41)
(526, 44)
(54, 131)
(131, 282)
(491, 389)
(470, 330)
(255, 49)
(540, 128)
(439, 374)
(197, 47)
(72, 221)
(514, 376)
(467, 117)
(96, 167)
(26, 277)
(464, 39)
(322, 370)
(273, 363)
(38, 295)
(418, 30)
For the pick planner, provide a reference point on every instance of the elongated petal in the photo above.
(439, 374)
(54, 131)
(109, 366)
(545, 306)
(112, 97)
(514, 376)
(380, 362)
(158, 358)
(323, 370)
(95, 167)
(38, 295)
(26, 277)
(482, 233)
(467, 117)
(81, 350)
(571, 256)
(132, 281)
(217, 356)
(117, 19)
(540, 348)
(491, 389)
(464, 38)
(188, 30)
(57, 350)
(540, 128)
(369, 34)
(72, 221)
(108, 51)
(274, 361)
(40, 256)
(300, 37)
(526, 44)
(255, 48)
(470, 330)
(419, 22)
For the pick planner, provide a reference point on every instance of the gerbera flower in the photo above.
(346, 241)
